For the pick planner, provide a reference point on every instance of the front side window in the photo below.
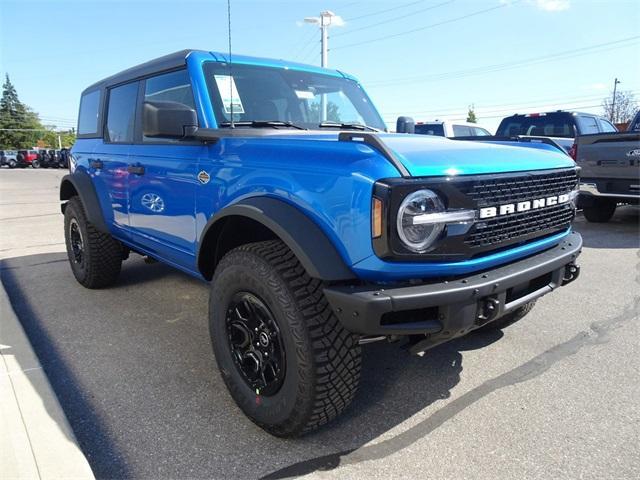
(306, 99)
(121, 113)
(169, 87)
(606, 126)
(88, 117)
(587, 125)
(461, 131)
(480, 132)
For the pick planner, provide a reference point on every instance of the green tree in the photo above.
(20, 127)
(471, 115)
(333, 112)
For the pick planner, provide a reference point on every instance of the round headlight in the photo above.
(418, 236)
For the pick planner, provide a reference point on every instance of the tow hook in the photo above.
(571, 272)
(487, 310)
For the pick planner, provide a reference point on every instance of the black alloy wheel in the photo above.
(77, 245)
(255, 343)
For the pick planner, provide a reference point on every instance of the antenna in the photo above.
(231, 124)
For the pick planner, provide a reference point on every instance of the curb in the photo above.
(37, 440)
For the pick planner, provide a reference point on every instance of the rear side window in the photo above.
(121, 113)
(431, 129)
(461, 131)
(605, 126)
(587, 125)
(88, 117)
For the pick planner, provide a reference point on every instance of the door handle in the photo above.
(136, 169)
(96, 164)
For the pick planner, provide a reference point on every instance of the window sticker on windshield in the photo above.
(229, 93)
(305, 94)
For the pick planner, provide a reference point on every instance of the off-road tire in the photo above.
(601, 211)
(35, 164)
(322, 359)
(102, 253)
(511, 317)
(12, 164)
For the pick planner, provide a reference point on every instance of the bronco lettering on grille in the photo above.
(509, 208)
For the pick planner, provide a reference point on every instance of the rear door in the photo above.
(108, 163)
(164, 178)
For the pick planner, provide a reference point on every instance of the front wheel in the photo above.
(284, 356)
(35, 164)
(12, 164)
(601, 211)
(95, 257)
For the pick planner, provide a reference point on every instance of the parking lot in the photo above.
(554, 396)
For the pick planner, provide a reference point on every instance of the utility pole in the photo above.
(324, 22)
(59, 143)
(613, 102)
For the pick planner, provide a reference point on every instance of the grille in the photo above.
(502, 190)
(533, 222)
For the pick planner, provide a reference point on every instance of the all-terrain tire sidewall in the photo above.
(12, 164)
(35, 164)
(102, 253)
(322, 360)
(255, 277)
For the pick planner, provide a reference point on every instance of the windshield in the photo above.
(263, 94)
(544, 125)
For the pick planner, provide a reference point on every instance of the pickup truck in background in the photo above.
(445, 128)
(610, 172)
(561, 126)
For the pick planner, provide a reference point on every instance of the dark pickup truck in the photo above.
(610, 172)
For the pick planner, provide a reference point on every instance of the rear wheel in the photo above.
(95, 257)
(511, 317)
(12, 164)
(35, 164)
(600, 211)
(284, 356)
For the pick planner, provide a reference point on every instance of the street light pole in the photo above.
(324, 22)
(613, 102)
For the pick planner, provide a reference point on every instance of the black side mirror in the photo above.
(168, 119)
(405, 125)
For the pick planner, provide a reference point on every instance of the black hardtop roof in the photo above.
(166, 62)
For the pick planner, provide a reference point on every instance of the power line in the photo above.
(505, 66)
(380, 12)
(350, 31)
(444, 22)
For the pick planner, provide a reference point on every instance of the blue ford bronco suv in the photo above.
(318, 231)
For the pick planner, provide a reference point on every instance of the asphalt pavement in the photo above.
(553, 396)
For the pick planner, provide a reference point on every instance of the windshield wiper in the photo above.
(263, 124)
(348, 126)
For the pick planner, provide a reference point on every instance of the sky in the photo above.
(429, 59)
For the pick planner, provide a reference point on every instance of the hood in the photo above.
(426, 155)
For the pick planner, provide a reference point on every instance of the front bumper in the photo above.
(447, 309)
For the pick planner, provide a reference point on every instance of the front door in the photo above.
(163, 180)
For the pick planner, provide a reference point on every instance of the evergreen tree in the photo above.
(20, 127)
(471, 116)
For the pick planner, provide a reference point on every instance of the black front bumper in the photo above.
(448, 309)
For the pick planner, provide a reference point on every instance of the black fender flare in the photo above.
(80, 183)
(303, 236)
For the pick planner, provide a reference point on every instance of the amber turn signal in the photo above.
(376, 218)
